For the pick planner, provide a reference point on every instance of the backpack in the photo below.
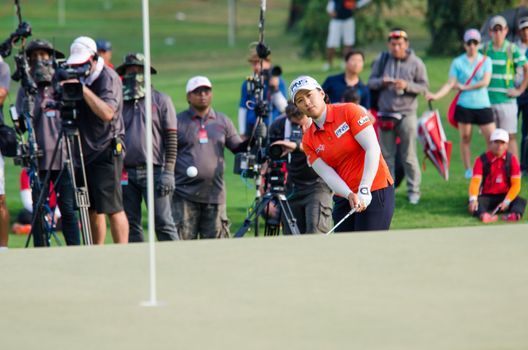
(8, 141)
(486, 167)
(374, 94)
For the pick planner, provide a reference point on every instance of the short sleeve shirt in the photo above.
(336, 145)
(163, 119)
(462, 69)
(504, 62)
(97, 134)
(335, 86)
(497, 181)
(5, 80)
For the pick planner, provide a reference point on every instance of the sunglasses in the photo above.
(396, 34)
(497, 29)
(472, 42)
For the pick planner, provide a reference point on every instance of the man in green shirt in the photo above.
(506, 57)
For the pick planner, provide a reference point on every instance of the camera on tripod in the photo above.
(69, 93)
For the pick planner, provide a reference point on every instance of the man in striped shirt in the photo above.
(506, 57)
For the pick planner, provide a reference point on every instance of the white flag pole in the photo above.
(150, 168)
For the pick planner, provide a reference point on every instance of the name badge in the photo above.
(124, 178)
(51, 113)
(202, 136)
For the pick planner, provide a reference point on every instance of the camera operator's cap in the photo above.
(303, 82)
(81, 50)
(500, 135)
(196, 82)
(103, 45)
(133, 59)
(44, 45)
(472, 34)
(523, 23)
(498, 21)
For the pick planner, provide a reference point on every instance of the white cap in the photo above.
(472, 34)
(196, 82)
(81, 50)
(303, 82)
(500, 135)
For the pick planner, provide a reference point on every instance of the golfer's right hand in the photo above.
(473, 206)
(355, 203)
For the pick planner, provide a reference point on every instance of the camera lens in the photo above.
(275, 152)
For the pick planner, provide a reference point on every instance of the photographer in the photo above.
(309, 197)
(203, 134)
(47, 124)
(102, 129)
(5, 79)
(164, 146)
(274, 91)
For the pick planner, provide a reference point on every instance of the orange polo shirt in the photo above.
(336, 146)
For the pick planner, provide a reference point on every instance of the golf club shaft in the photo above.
(352, 211)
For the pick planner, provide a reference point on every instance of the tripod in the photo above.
(260, 205)
(70, 135)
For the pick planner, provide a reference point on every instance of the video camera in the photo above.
(69, 94)
(23, 31)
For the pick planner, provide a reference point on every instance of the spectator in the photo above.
(473, 106)
(402, 79)
(203, 134)
(342, 148)
(506, 58)
(274, 95)
(308, 195)
(496, 182)
(522, 100)
(5, 79)
(101, 125)
(336, 85)
(104, 50)
(164, 146)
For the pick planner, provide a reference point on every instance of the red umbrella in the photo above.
(434, 141)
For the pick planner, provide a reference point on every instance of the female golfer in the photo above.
(341, 146)
(473, 106)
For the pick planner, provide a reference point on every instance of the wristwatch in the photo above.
(364, 190)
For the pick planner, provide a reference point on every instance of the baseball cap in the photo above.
(196, 82)
(499, 135)
(303, 82)
(81, 50)
(133, 59)
(103, 45)
(498, 21)
(44, 45)
(472, 34)
(523, 22)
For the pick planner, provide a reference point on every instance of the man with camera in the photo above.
(102, 132)
(164, 146)
(5, 79)
(308, 195)
(203, 135)
(47, 124)
(274, 92)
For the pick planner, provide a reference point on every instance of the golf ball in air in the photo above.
(192, 171)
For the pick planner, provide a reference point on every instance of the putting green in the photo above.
(463, 288)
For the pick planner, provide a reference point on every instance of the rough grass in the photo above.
(198, 45)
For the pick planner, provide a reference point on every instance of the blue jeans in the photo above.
(133, 193)
(66, 202)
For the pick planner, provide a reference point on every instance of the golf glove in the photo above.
(364, 196)
(165, 185)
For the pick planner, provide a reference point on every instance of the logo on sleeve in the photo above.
(342, 129)
(363, 120)
(320, 148)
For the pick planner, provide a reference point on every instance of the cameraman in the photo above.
(47, 124)
(308, 195)
(102, 130)
(5, 79)
(274, 94)
(165, 145)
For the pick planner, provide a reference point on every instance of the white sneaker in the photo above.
(3, 249)
(414, 198)
(326, 67)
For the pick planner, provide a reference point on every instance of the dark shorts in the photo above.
(104, 183)
(473, 116)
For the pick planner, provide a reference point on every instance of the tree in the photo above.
(447, 20)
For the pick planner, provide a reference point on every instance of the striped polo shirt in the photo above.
(504, 61)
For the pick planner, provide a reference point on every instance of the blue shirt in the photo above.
(251, 117)
(462, 69)
(335, 85)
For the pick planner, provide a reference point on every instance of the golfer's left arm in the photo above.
(369, 142)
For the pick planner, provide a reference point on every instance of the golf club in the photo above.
(352, 211)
